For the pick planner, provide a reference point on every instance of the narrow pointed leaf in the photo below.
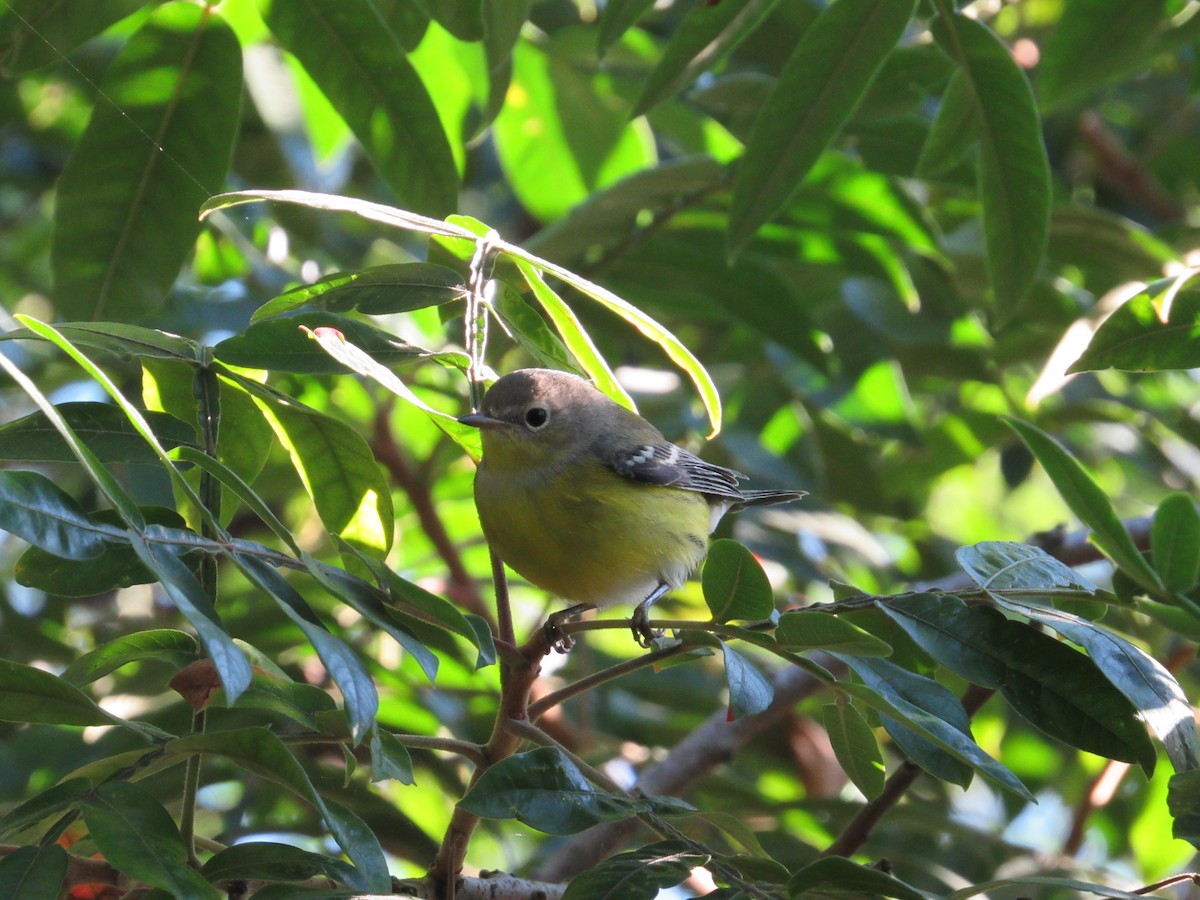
(102, 426)
(376, 291)
(813, 630)
(361, 66)
(823, 81)
(125, 215)
(637, 874)
(1135, 338)
(33, 873)
(167, 644)
(40, 807)
(281, 345)
(954, 129)
(31, 695)
(36, 510)
(1014, 172)
(1175, 542)
(1089, 503)
(837, 875)
(138, 837)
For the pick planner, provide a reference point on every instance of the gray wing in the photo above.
(666, 464)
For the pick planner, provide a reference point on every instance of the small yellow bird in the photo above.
(588, 500)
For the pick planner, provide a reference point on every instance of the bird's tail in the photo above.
(767, 498)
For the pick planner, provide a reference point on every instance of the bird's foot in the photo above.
(639, 622)
(559, 640)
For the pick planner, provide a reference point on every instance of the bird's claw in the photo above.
(639, 622)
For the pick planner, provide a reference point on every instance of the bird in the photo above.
(587, 500)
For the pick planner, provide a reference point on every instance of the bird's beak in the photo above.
(481, 420)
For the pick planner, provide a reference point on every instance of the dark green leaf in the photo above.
(545, 790)
(702, 40)
(1096, 239)
(502, 21)
(817, 91)
(527, 327)
(1093, 42)
(1146, 334)
(749, 690)
(118, 566)
(813, 630)
(1175, 542)
(617, 17)
(735, 585)
(263, 753)
(855, 746)
(270, 861)
(1014, 172)
(377, 291)
(1136, 674)
(102, 426)
(1088, 502)
(1056, 688)
(1006, 565)
(1183, 799)
(954, 130)
(838, 876)
(360, 65)
(390, 758)
(174, 647)
(38, 32)
(126, 204)
(40, 807)
(636, 874)
(929, 709)
(36, 510)
(33, 873)
(138, 837)
(280, 345)
(189, 597)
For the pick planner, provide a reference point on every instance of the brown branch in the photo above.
(714, 743)
(460, 586)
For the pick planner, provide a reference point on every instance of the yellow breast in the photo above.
(592, 536)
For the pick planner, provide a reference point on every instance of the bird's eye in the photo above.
(537, 416)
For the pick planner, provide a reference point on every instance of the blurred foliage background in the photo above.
(881, 226)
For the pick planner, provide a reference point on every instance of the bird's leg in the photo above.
(640, 620)
(557, 638)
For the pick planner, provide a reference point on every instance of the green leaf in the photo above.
(343, 665)
(1058, 689)
(190, 598)
(1088, 502)
(617, 17)
(36, 510)
(637, 874)
(1148, 333)
(1006, 565)
(929, 709)
(545, 790)
(376, 291)
(338, 470)
(813, 630)
(1094, 42)
(1175, 542)
(955, 128)
(1014, 172)
(708, 33)
(502, 21)
(390, 758)
(426, 605)
(40, 807)
(837, 876)
(855, 746)
(269, 861)
(563, 134)
(38, 32)
(122, 341)
(823, 81)
(283, 345)
(138, 837)
(529, 329)
(31, 695)
(735, 585)
(263, 753)
(1152, 689)
(1059, 886)
(116, 567)
(178, 648)
(126, 203)
(33, 873)
(361, 66)
(1183, 799)
(749, 690)
(102, 426)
